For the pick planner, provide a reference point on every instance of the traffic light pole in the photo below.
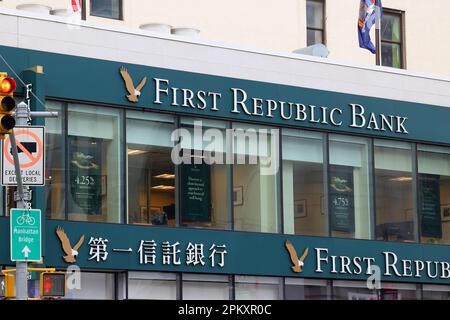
(23, 195)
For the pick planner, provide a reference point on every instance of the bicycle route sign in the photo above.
(25, 235)
(31, 151)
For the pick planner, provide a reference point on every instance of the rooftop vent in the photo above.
(62, 12)
(316, 50)
(186, 32)
(156, 27)
(37, 8)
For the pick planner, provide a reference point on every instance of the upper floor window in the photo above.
(111, 9)
(392, 39)
(315, 22)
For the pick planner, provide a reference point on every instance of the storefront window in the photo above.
(395, 218)
(93, 286)
(306, 289)
(398, 291)
(357, 290)
(55, 186)
(435, 292)
(434, 194)
(349, 187)
(152, 285)
(258, 288)
(255, 184)
(205, 287)
(95, 155)
(203, 174)
(353, 290)
(151, 172)
(303, 188)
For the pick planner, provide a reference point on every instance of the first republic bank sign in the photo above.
(387, 265)
(243, 104)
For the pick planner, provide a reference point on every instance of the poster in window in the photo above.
(196, 190)
(85, 175)
(430, 206)
(341, 191)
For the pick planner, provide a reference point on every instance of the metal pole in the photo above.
(22, 117)
(23, 195)
(378, 32)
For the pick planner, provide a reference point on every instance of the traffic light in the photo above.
(7, 287)
(7, 104)
(2, 286)
(53, 284)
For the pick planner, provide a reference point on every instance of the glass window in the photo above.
(306, 289)
(95, 178)
(93, 286)
(151, 171)
(107, 8)
(205, 287)
(349, 187)
(398, 291)
(435, 292)
(55, 186)
(391, 39)
(315, 21)
(434, 193)
(303, 202)
(395, 220)
(353, 290)
(203, 174)
(255, 183)
(152, 285)
(258, 288)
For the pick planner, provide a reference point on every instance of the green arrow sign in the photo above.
(25, 235)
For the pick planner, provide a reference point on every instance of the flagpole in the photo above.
(378, 32)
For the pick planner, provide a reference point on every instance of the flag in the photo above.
(366, 21)
(76, 5)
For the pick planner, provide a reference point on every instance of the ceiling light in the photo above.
(132, 152)
(401, 179)
(165, 176)
(164, 188)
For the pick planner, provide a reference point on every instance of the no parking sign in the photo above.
(30, 148)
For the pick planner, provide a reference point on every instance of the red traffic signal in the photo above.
(7, 86)
(7, 104)
(53, 284)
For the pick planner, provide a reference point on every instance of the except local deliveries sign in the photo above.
(30, 148)
(152, 248)
(197, 94)
(25, 235)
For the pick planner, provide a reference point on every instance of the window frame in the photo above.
(119, 18)
(401, 43)
(323, 29)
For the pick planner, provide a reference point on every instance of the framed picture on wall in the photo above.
(238, 196)
(300, 208)
(445, 212)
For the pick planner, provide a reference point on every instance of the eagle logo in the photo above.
(71, 253)
(297, 264)
(134, 92)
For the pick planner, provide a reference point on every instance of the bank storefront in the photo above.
(336, 188)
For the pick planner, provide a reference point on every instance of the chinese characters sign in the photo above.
(171, 253)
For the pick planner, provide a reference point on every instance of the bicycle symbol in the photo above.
(26, 218)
